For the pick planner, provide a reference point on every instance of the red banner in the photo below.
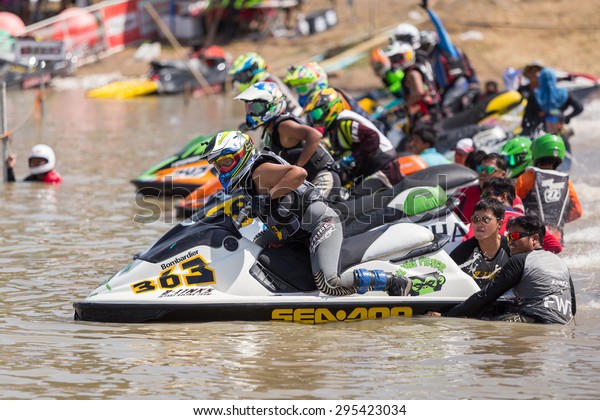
(121, 23)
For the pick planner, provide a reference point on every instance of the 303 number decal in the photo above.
(195, 273)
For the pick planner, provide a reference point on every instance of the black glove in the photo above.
(424, 5)
(260, 204)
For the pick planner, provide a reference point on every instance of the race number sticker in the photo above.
(195, 272)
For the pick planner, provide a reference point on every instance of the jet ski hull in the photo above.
(313, 310)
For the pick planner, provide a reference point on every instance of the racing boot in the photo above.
(379, 280)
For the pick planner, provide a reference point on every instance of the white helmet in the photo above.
(401, 55)
(264, 102)
(406, 32)
(42, 151)
(428, 41)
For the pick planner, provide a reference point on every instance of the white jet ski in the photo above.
(207, 270)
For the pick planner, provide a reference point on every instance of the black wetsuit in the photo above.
(542, 285)
(469, 257)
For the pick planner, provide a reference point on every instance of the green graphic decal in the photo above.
(426, 283)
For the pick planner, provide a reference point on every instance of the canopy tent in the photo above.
(11, 23)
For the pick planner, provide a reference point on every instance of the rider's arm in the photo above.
(363, 141)
(277, 180)
(291, 134)
(10, 167)
(414, 81)
(506, 279)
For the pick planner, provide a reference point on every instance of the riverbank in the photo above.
(494, 34)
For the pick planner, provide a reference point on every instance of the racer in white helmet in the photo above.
(42, 161)
(406, 33)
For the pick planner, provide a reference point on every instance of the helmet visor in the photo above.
(257, 108)
(514, 160)
(37, 161)
(303, 90)
(399, 59)
(316, 115)
(226, 163)
(408, 38)
(243, 76)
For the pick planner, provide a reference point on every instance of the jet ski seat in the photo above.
(385, 242)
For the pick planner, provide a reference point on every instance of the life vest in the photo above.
(549, 197)
(50, 177)
(318, 160)
(453, 67)
(284, 216)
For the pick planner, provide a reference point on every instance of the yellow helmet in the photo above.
(324, 107)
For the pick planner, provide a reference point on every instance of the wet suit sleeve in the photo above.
(509, 276)
(575, 211)
(463, 251)
(10, 175)
(524, 184)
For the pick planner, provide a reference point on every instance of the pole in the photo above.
(171, 15)
(177, 46)
(4, 127)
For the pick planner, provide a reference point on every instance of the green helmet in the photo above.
(248, 69)
(517, 152)
(309, 75)
(548, 145)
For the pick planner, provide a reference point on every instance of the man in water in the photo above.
(41, 165)
(539, 279)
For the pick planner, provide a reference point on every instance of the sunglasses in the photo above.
(487, 169)
(489, 193)
(485, 219)
(515, 236)
(257, 108)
